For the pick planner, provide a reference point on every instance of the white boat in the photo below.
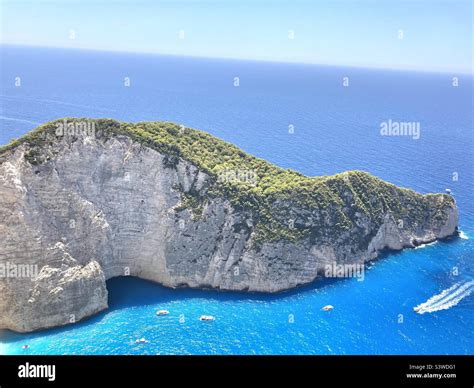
(328, 308)
(162, 312)
(448, 191)
(141, 341)
(206, 318)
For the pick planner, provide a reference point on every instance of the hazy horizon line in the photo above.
(356, 66)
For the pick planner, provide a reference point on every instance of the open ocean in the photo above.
(336, 128)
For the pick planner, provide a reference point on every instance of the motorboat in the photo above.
(206, 318)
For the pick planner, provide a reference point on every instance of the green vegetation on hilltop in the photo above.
(284, 203)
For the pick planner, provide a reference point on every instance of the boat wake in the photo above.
(19, 120)
(48, 101)
(446, 298)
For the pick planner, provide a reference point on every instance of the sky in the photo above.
(433, 35)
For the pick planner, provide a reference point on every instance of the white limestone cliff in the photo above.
(100, 209)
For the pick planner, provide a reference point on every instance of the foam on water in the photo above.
(426, 245)
(446, 298)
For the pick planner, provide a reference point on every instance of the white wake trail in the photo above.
(437, 297)
(447, 298)
(460, 291)
(20, 120)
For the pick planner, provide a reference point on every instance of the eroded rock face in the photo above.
(99, 209)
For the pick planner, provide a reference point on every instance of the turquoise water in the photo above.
(336, 129)
(365, 319)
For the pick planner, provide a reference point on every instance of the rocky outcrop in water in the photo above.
(169, 204)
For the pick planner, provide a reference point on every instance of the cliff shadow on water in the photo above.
(129, 291)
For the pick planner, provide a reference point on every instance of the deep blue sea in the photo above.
(336, 128)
